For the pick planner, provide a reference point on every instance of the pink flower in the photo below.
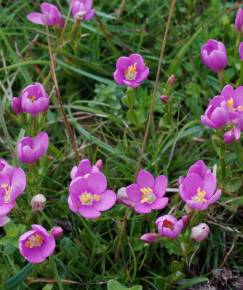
(214, 55)
(33, 100)
(29, 149)
(241, 50)
(89, 196)
(57, 232)
(149, 238)
(198, 188)
(226, 110)
(82, 10)
(168, 226)
(131, 71)
(239, 20)
(36, 245)
(84, 169)
(12, 184)
(200, 232)
(147, 193)
(50, 15)
(164, 99)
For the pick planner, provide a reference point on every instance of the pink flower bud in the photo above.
(16, 105)
(123, 198)
(185, 220)
(99, 164)
(171, 80)
(57, 232)
(200, 232)
(164, 99)
(38, 202)
(149, 238)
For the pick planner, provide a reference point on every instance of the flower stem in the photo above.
(222, 162)
(156, 83)
(59, 98)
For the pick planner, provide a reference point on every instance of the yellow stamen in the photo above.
(147, 195)
(7, 189)
(32, 98)
(88, 198)
(230, 103)
(34, 241)
(199, 197)
(131, 72)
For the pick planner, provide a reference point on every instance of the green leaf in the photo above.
(185, 283)
(18, 278)
(114, 285)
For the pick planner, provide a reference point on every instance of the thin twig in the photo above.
(59, 98)
(151, 110)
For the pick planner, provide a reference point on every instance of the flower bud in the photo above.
(57, 232)
(38, 202)
(149, 238)
(241, 50)
(164, 99)
(200, 232)
(99, 164)
(185, 220)
(239, 20)
(16, 105)
(171, 80)
(123, 198)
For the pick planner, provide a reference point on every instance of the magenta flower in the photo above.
(239, 20)
(29, 149)
(84, 169)
(200, 232)
(149, 238)
(89, 196)
(214, 55)
(36, 245)
(198, 188)
(33, 100)
(226, 110)
(123, 198)
(131, 71)
(215, 116)
(50, 16)
(12, 184)
(147, 193)
(168, 226)
(241, 50)
(82, 10)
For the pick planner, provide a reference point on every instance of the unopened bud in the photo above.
(99, 164)
(164, 99)
(171, 80)
(149, 238)
(38, 202)
(57, 232)
(200, 232)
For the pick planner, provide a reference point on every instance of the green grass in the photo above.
(92, 252)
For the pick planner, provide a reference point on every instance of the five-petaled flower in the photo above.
(37, 244)
(168, 226)
(82, 10)
(131, 71)
(89, 196)
(198, 188)
(32, 100)
(147, 193)
(50, 16)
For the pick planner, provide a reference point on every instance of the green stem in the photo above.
(222, 161)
